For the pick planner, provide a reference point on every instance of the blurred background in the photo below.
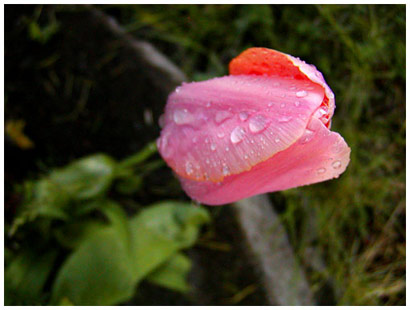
(94, 216)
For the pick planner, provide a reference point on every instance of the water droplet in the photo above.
(237, 135)
(207, 161)
(284, 119)
(257, 123)
(194, 139)
(225, 170)
(222, 116)
(337, 147)
(321, 170)
(220, 135)
(282, 105)
(277, 140)
(270, 104)
(213, 146)
(206, 140)
(178, 89)
(330, 95)
(161, 121)
(182, 116)
(208, 104)
(301, 94)
(297, 103)
(189, 168)
(243, 116)
(336, 164)
(246, 156)
(227, 149)
(306, 137)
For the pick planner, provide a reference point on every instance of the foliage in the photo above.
(96, 255)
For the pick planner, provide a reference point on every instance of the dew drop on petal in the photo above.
(337, 147)
(208, 104)
(237, 135)
(301, 94)
(158, 142)
(225, 170)
(213, 146)
(221, 116)
(182, 116)
(336, 164)
(297, 103)
(306, 137)
(270, 104)
(257, 123)
(161, 121)
(284, 119)
(321, 170)
(243, 116)
(188, 168)
(277, 140)
(220, 135)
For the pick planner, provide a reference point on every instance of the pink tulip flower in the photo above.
(263, 128)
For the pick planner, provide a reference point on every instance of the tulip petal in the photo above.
(317, 156)
(264, 61)
(225, 126)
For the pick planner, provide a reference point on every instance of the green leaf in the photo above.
(173, 273)
(86, 178)
(161, 230)
(98, 273)
(109, 263)
(25, 276)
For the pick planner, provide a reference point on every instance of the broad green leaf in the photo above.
(25, 276)
(173, 273)
(98, 273)
(86, 178)
(161, 230)
(108, 264)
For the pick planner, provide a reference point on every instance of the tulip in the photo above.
(263, 128)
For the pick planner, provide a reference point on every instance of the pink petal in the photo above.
(265, 61)
(317, 156)
(225, 126)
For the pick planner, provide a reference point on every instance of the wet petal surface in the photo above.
(317, 156)
(225, 126)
